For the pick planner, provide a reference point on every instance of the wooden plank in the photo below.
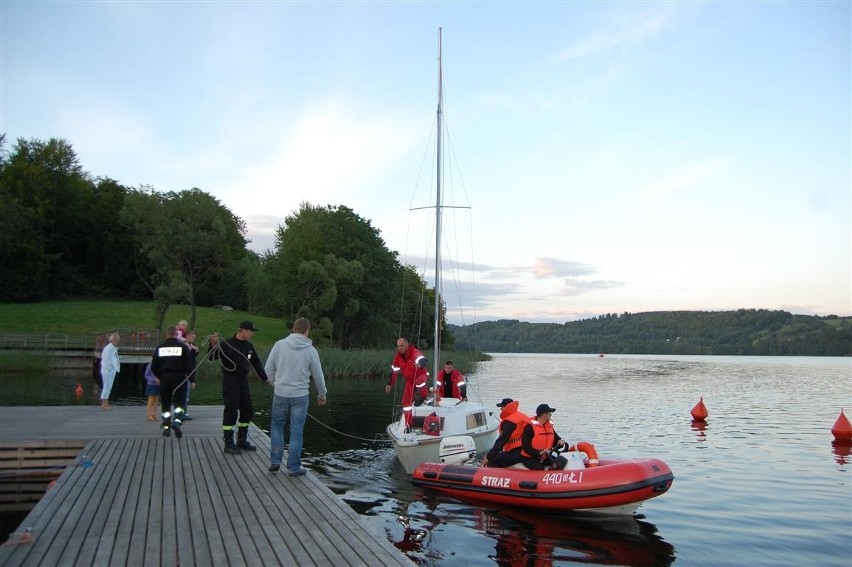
(150, 500)
(230, 486)
(168, 526)
(89, 547)
(206, 538)
(48, 515)
(341, 518)
(284, 498)
(220, 510)
(66, 516)
(179, 479)
(332, 516)
(141, 511)
(104, 525)
(155, 510)
(91, 513)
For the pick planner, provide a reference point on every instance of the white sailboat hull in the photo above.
(457, 418)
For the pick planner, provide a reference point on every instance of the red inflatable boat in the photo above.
(616, 486)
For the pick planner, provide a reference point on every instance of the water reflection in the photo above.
(699, 427)
(841, 452)
(528, 538)
(434, 529)
(750, 479)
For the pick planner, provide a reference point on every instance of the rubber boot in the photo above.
(230, 447)
(242, 440)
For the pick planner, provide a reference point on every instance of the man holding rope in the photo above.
(172, 364)
(238, 358)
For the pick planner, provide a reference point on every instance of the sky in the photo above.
(600, 157)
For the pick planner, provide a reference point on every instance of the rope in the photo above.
(229, 365)
(382, 441)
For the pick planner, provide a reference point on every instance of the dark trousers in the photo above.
(506, 459)
(173, 389)
(237, 398)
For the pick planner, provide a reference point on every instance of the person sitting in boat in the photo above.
(450, 383)
(538, 439)
(506, 450)
(412, 364)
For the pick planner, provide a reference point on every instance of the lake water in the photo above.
(759, 484)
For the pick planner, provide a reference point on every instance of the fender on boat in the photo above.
(589, 450)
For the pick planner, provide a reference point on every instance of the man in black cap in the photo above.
(506, 450)
(238, 358)
(539, 438)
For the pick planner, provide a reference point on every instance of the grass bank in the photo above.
(89, 318)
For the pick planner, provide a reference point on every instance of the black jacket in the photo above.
(171, 359)
(238, 358)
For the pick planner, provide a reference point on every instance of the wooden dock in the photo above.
(133, 497)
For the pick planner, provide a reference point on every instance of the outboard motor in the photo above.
(456, 450)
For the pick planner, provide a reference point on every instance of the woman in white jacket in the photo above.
(110, 366)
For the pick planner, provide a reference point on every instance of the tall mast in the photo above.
(436, 364)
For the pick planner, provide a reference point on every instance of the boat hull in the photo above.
(616, 486)
(456, 418)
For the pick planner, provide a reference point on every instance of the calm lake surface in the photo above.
(759, 484)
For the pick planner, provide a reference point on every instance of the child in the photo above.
(152, 390)
(193, 350)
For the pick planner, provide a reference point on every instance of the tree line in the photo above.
(67, 234)
(741, 332)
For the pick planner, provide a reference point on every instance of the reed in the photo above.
(89, 318)
(15, 362)
(355, 363)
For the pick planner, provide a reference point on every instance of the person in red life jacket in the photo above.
(450, 383)
(506, 451)
(539, 438)
(412, 364)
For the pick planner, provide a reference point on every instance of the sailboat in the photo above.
(447, 417)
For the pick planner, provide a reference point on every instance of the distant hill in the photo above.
(757, 332)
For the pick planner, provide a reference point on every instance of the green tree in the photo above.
(184, 242)
(332, 266)
(47, 216)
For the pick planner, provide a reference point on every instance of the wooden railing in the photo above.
(45, 341)
(132, 340)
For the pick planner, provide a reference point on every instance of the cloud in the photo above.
(329, 157)
(630, 33)
(681, 180)
(574, 286)
(552, 267)
(260, 229)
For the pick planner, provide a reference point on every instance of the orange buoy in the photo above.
(699, 412)
(79, 390)
(589, 450)
(842, 430)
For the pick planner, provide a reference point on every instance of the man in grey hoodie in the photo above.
(290, 366)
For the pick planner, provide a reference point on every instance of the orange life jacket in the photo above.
(543, 437)
(511, 413)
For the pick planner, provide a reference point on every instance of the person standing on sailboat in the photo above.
(412, 364)
(450, 383)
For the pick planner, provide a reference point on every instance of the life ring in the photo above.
(589, 450)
